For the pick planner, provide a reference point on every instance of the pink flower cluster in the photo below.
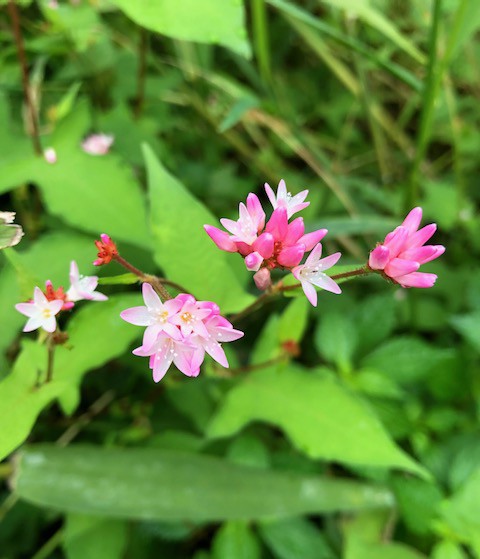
(278, 243)
(180, 330)
(43, 308)
(403, 252)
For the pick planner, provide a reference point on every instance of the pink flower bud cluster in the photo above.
(45, 305)
(180, 330)
(277, 243)
(403, 252)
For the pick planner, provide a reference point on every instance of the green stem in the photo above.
(260, 39)
(22, 59)
(148, 278)
(50, 358)
(430, 91)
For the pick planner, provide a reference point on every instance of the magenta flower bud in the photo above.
(253, 261)
(255, 210)
(417, 279)
(263, 279)
(379, 258)
(312, 239)
(291, 256)
(295, 230)
(399, 267)
(220, 238)
(264, 245)
(278, 224)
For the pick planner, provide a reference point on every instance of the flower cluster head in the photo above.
(277, 243)
(107, 250)
(180, 330)
(403, 252)
(45, 305)
(97, 144)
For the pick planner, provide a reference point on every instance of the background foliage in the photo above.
(364, 445)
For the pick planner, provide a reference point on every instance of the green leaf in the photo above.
(96, 335)
(182, 248)
(235, 540)
(144, 483)
(468, 326)
(462, 512)
(374, 320)
(101, 196)
(336, 339)
(356, 549)
(320, 417)
(448, 550)
(204, 21)
(295, 538)
(293, 321)
(406, 359)
(93, 537)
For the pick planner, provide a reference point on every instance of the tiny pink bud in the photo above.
(50, 156)
(262, 279)
(253, 261)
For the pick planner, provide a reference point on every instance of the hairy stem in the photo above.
(22, 59)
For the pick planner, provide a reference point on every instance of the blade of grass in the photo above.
(261, 40)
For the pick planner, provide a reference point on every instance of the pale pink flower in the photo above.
(41, 312)
(250, 222)
(50, 155)
(155, 315)
(165, 350)
(219, 330)
(97, 144)
(190, 318)
(83, 287)
(403, 252)
(312, 273)
(284, 199)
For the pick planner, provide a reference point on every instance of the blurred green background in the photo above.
(365, 444)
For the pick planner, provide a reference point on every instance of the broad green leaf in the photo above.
(374, 320)
(448, 550)
(406, 359)
(320, 417)
(145, 483)
(293, 321)
(205, 21)
(182, 248)
(462, 512)
(358, 225)
(295, 538)
(418, 501)
(93, 537)
(235, 540)
(94, 193)
(336, 339)
(357, 549)
(96, 335)
(468, 326)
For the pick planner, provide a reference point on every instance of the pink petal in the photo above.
(296, 229)
(400, 267)
(74, 273)
(310, 292)
(311, 239)
(253, 261)
(421, 236)
(220, 238)
(326, 283)
(396, 241)
(412, 221)
(314, 255)
(152, 300)
(278, 224)
(256, 211)
(423, 254)
(291, 256)
(162, 361)
(264, 245)
(55, 306)
(33, 323)
(271, 195)
(228, 334)
(379, 257)
(137, 315)
(28, 309)
(329, 261)
(215, 350)
(39, 298)
(417, 279)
